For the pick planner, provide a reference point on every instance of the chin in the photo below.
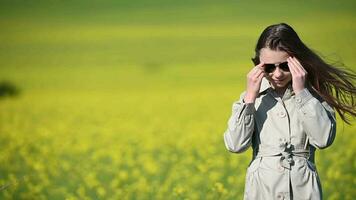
(280, 85)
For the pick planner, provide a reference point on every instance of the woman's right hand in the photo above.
(254, 79)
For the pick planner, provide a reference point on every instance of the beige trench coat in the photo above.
(284, 134)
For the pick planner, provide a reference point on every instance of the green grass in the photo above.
(129, 99)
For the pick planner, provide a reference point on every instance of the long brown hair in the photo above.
(333, 84)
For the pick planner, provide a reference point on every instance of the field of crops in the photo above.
(129, 100)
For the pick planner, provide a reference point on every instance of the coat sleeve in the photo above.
(318, 119)
(238, 134)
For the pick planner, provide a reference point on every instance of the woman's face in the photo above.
(278, 78)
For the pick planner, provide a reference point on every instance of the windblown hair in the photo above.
(333, 84)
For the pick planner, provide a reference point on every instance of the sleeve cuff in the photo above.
(249, 108)
(303, 97)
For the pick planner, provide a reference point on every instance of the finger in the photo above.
(261, 76)
(253, 71)
(260, 65)
(258, 73)
(257, 69)
(258, 78)
(300, 65)
(295, 60)
(291, 67)
(295, 66)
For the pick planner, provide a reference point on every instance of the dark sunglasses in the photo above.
(271, 67)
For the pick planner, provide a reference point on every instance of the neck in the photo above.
(280, 91)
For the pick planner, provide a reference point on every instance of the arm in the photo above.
(318, 119)
(240, 128)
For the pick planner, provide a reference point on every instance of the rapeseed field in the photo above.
(129, 100)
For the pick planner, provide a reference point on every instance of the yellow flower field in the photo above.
(130, 100)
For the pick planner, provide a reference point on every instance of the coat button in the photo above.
(298, 100)
(282, 114)
(280, 196)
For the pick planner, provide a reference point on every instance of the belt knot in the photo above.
(286, 151)
(287, 154)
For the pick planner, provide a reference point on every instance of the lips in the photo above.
(279, 81)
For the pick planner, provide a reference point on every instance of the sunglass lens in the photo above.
(269, 68)
(284, 66)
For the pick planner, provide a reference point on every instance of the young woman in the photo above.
(285, 114)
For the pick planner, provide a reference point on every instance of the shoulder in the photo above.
(308, 93)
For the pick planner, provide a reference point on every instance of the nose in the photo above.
(278, 73)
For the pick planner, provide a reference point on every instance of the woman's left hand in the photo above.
(299, 74)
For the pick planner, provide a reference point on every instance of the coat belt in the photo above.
(286, 153)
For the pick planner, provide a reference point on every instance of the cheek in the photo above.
(269, 75)
(289, 76)
(269, 78)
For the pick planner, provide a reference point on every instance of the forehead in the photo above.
(271, 56)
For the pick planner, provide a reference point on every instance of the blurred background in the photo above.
(129, 99)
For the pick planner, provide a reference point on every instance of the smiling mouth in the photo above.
(279, 81)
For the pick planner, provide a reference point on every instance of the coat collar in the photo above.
(264, 85)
